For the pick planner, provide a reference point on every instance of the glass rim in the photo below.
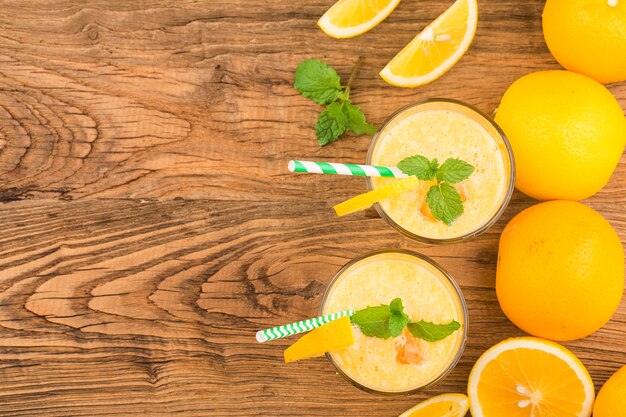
(457, 291)
(509, 189)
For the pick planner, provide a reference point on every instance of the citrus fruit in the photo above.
(588, 36)
(560, 272)
(365, 200)
(529, 377)
(348, 18)
(611, 400)
(444, 405)
(567, 133)
(436, 49)
(329, 337)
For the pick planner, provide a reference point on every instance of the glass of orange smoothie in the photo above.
(402, 364)
(444, 128)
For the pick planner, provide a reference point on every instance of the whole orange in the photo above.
(560, 273)
(567, 132)
(588, 36)
(611, 400)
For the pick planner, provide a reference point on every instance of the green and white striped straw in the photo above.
(299, 326)
(345, 169)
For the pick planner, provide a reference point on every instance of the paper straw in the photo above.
(345, 169)
(299, 326)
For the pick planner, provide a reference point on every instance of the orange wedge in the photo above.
(348, 18)
(330, 337)
(530, 377)
(363, 201)
(436, 49)
(445, 405)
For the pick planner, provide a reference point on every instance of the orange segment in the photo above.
(330, 337)
(530, 377)
(348, 18)
(365, 200)
(445, 405)
(436, 49)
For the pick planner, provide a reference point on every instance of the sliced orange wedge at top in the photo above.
(436, 49)
(348, 18)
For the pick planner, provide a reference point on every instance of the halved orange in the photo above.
(436, 49)
(348, 18)
(530, 377)
(445, 405)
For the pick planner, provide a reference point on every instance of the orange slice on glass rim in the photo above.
(348, 18)
(330, 337)
(365, 200)
(436, 49)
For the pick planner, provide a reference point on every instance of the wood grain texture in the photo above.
(150, 226)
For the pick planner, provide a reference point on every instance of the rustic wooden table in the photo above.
(149, 226)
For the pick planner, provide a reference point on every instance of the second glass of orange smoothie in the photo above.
(400, 365)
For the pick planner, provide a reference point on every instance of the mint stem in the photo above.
(355, 70)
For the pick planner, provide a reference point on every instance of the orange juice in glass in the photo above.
(404, 364)
(442, 129)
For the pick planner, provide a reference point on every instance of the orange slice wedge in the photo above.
(330, 337)
(445, 405)
(530, 377)
(436, 49)
(348, 18)
(363, 201)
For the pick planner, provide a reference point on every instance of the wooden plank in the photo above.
(115, 307)
(194, 99)
(150, 226)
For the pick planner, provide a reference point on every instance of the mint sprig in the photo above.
(442, 198)
(385, 321)
(318, 81)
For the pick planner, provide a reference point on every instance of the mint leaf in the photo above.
(316, 80)
(454, 170)
(373, 321)
(444, 202)
(419, 166)
(331, 123)
(433, 332)
(396, 306)
(434, 166)
(356, 120)
(398, 320)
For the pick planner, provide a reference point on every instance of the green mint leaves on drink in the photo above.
(419, 166)
(397, 319)
(454, 170)
(443, 200)
(373, 321)
(385, 321)
(431, 332)
(318, 81)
